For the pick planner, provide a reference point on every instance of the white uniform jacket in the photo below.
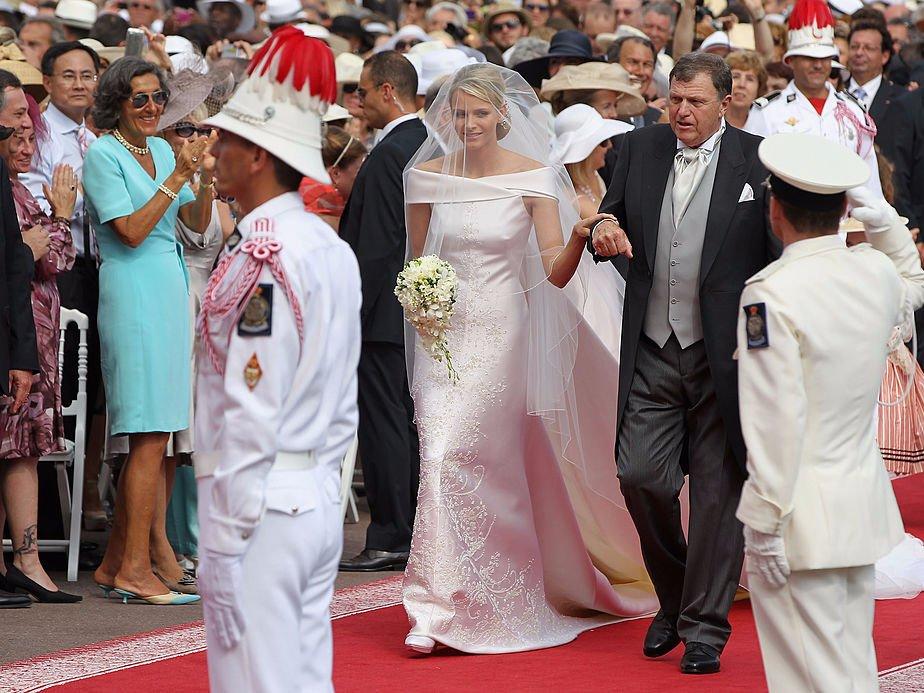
(813, 337)
(841, 119)
(265, 386)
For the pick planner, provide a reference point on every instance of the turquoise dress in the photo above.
(144, 326)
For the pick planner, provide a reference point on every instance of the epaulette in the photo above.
(846, 95)
(766, 98)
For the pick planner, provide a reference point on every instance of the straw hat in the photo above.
(80, 14)
(598, 76)
(30, 77)
(504, 8)
(579, 129)
(280, 104)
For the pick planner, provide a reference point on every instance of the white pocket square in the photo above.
(747, 193)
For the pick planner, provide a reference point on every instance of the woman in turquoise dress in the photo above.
(136, 190)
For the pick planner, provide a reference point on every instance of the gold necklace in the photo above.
(140, 151)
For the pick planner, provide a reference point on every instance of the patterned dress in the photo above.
(38, 428)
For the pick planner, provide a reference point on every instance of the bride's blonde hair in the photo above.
(484, 81)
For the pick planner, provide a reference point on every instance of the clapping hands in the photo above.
(62, 195)
(196, 154)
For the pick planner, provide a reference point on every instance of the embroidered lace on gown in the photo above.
(513, 549)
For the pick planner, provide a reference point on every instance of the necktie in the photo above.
(860, 93)
(82, 139)
(689, 166)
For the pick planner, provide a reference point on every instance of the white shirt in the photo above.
(305, 399)
(791, 111)
(383, 133)
(60, 146)
(709, 145)
(870, 88)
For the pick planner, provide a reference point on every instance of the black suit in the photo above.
(373, 225)
(678, 408)
(908, 156)
(17, 326)
(883, 112)
(649, 117)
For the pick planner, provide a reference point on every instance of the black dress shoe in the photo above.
(371, 561)
(661, 637)
(700, 659)
(8, 600)
(19, 580)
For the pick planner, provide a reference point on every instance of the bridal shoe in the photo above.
(420, 643)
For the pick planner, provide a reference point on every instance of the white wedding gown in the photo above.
(513, 549)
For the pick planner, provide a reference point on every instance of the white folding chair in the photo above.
(74, 450)
(347, 467)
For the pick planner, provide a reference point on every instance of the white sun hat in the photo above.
(247, 16)
(283, 12)
(409, 32)
(811, 30)
(336, 112)
(579, 129)
(436, 64)
(349, 68)
(80, 14)
(716, 39)
(279, 107)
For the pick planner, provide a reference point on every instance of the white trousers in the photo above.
(289, 572)
(816, 632)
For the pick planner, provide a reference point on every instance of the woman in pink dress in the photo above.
(37, 429)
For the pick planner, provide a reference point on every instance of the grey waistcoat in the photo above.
(673, 304)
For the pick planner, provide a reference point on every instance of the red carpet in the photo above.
(370, 655)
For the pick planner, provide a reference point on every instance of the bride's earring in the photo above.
(503, 128)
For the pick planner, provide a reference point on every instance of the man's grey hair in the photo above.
(57, 28)
(663, 9)
(690, 66)
(527, 48)
(461, 17)
(615, 50)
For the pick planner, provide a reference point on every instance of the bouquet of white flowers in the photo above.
(426, 289)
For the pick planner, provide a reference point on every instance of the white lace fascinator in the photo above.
(488, 143)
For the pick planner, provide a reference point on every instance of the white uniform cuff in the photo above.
(229, 537)
(758, 513)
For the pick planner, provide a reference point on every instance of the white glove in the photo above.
(767, 555)
(221, 583)
(874, 213)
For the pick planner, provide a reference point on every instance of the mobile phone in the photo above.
(232, 51)
(136, 43)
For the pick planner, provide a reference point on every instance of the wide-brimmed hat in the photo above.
(579, 129)
(811, 30)
(283, 12)
(188, 90)
(247, 16)
(279, 106)
(349, 68)
(12, 60)
(436, 64)
(598, 76)
(565, 44)
(411, 31)
(503, 8)
(79, 14)
(334, 113)
(717, 39)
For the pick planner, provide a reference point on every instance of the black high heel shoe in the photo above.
(16, 578)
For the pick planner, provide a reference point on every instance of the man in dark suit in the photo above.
(869, 51)
(691, 229)
(18, 354)
(373, 225)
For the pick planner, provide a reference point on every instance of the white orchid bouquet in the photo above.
(426, 289)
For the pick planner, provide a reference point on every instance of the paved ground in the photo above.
(50, 627)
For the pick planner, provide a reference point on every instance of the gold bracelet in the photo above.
(167, 191)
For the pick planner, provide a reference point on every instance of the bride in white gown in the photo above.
(521, 540)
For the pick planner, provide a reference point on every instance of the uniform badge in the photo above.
(257, 318)
(756, 325)
(790, 98)
(252, 372)
(791, 121)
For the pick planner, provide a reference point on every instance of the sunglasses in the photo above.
(401, 46)
(139, 6)
(139, 101)
(186, 130)
(509, 24)
(529, 7)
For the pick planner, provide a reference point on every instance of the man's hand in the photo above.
(20, 384)
(221, 583)
(874, 213)
(767, 556)
(608, 239)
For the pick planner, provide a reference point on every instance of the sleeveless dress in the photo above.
(512, 550)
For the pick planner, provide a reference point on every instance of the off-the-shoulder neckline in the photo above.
(495, 175)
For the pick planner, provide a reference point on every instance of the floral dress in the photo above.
(38, 428)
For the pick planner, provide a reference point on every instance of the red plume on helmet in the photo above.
(301, 56)
(805, 13)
